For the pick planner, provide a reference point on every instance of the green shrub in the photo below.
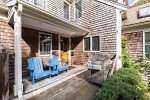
(130, 76)
(126, 60)
(120, 91)
(125, 84)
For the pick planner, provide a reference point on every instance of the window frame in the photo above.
(75, 9)
(144, 32)
(91, 49)
(84, 44)
(39, 52)
(64, 10)
(98, 43)
(42, 7)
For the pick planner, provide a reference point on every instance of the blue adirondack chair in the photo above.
(55, 60)
(35, 68)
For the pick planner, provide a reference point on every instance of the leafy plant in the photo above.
(125, 84)
(126, 60)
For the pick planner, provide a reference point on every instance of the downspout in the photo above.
(18, 87)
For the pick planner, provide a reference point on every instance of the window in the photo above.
(66, 10)
(95, 43)
(147, 45)
(45, 44)
(40, 3)
(144, 12)
(78, 8)
(91, 43)
(87, 44)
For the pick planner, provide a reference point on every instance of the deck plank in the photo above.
(76, 88)
(29, 87)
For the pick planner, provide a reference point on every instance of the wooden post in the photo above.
(69, 51)
(59, 47)
(18, 87)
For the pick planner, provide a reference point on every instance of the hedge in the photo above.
(125, 84)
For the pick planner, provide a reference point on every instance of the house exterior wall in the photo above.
(135, 45)
(80, 57)
(132, 16)
(101, 21)
(96, 16)
(56, 7)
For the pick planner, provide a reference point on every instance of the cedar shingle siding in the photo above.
(135, 45)
(98, 17)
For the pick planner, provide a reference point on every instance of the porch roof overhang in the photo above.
(40, 19)
(125, 27)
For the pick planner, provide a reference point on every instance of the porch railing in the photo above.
(4, 76)
(40, 3)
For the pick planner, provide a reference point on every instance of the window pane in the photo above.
(87, 44)
(147, 45)
(95, 43)
(40, 3)
(144, 11)
(45, 44)
(78, 9)
(66, 10)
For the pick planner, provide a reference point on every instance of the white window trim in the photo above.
(39, 43)
(46, 5)
(69, 10)
(144, 43)
(91, 43)
(75, 10)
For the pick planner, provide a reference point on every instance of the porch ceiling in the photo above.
(36, 18)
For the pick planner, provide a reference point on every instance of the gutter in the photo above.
(136, 24)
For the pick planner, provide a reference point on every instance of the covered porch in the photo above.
(37, 35)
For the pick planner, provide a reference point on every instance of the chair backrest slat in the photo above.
(54, 60)
(36, 64)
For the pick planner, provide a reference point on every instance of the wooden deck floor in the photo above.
(28, 87)
(76, 88)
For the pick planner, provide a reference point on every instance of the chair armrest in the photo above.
(31, 68)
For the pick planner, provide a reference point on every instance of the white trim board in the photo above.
(114, 5)
(144, 43)
(118, 39)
